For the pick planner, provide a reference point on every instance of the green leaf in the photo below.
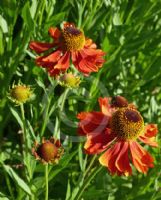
(68, 193)
(17, 179)
(9, 7)
(16, 115)
(153, 70)
(3, 25)
(26, 15)
(3, 196)
(54, 20)
(1, 42)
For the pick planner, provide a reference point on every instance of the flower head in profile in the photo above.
(49, 151)
(68, 44)
(116, 131)
(20, 93)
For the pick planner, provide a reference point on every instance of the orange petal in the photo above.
(122, 162)
(142, 160)
(148, 141)
(105, 106)
(151, 130)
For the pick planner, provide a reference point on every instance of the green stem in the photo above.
(45, 118)
(25, 148)
(90, 165)
(58, 122)
(64, 96)
(46, 182)
(87, 181)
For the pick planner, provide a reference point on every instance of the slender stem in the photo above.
(87, 181)
(24, 130)
(64, 96)
(58, 121)
(85, 176)
(90, 165)
(45, 118)
(46, 182)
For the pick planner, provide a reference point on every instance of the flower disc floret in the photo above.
(127, 123)
(74, 39)
(49, 151)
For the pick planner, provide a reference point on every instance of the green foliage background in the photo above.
(130, 32)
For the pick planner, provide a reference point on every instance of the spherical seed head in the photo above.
(47, 151)
(127, 123)
(73, 38)
(69, 80)
(119, 101)
(20, 93)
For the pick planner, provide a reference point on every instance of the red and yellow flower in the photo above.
(116, 130)
(68, 43)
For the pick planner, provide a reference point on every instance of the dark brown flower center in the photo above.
(127, 123)
(73, 31)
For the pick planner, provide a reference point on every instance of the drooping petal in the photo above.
(108, 159)
(54, 32)
(96, 143)
(40, 47)
(82, 64)
(49, 60)
(122, 162)
(63, 62)
(88, 60)
(92, 122)
(142, 160)
(105, 106)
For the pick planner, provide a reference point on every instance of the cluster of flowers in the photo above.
(113, 132)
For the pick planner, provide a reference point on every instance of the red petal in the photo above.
(92, 122)
(88, 60)
(40, 47)
(122, 162)
(151, 130)
(96, 143)
(142, 160)
(63, 62)
(108, 159)
(105, 106)
(54, 32)
(49, 60)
